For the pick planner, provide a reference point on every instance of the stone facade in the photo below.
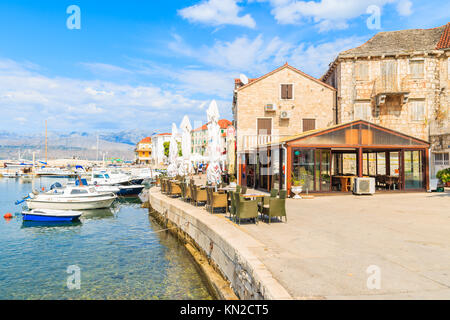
(403, 85)
(311, 99)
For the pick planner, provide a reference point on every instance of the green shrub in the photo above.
(444, 175)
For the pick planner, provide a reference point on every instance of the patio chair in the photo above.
(200, 195)
(244, 190)
(245, 209)
(208, 197)
(192, 191)
(183, 190)
(238, 188)
(232, 208)
(217, 200)
(283, 194)
(174, 189)
(188, 192)
(276, 208)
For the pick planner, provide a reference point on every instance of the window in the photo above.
(264, 126)
(362, 111)
(287, 91)
(418, 110)
(416, 68)
(441, 159)
(309, 124)
(362, 70)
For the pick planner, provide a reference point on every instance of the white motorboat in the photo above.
(54, 172)
(49, 215)
(71, 198)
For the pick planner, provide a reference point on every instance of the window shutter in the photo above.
(309, 124)
(289, 91)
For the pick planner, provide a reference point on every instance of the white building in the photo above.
(158, 147)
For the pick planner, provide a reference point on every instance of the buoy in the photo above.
(8, 215)
(43, 188)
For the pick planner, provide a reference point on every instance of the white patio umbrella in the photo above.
(186, 128)
(214, 173)
(172, 169)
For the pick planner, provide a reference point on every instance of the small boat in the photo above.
(71, 198)
(130, 190)
(54, 172)
(50, 215)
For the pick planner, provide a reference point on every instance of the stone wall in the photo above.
(433, 89)
(311, 100)
(227, 248)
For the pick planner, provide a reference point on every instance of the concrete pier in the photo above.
(227, 247)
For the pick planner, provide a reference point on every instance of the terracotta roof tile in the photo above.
(146, 140)
(444, 41)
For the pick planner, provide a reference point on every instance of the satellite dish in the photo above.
(243, 78)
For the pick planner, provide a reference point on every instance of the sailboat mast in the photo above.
(46, 158)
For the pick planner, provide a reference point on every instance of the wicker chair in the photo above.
(199, 195)
(245, 209)
(217, 200)
(174, 189)
(276, 208)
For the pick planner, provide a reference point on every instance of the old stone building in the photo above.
(399, 80)
(281, 103)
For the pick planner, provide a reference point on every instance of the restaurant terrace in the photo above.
(328, 160)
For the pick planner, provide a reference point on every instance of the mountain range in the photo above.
(68, 145)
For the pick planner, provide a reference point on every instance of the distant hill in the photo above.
(74, 144)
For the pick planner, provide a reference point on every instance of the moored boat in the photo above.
(50, 215)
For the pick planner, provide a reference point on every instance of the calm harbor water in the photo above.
(117, 250)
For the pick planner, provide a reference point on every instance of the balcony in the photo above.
(247, 142)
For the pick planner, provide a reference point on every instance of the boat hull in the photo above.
(130, 190)
(45, 218)
(70, 205)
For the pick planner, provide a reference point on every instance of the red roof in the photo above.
(444, 41)
(286, 65)
(223, 124)
(146, 140)
(163, 134)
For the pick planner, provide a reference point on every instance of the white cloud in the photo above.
(216, 13)
(404, 7)
(102, 68)
(258, 56)
(328, 14)
(81, 104)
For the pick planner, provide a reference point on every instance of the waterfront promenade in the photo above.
(328, 243)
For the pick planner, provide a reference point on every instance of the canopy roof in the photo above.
(354, 134)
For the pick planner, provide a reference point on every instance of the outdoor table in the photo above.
(345, 182)
(254, 195)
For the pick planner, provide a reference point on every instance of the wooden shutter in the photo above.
(264, 126)
(286, 91)
(389, 75)
(309, 124)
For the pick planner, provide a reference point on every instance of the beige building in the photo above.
(399, 80)
(281, 103)
(144, 151)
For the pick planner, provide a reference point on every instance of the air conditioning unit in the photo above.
(285, 114)
(270, 107)
(364, 186)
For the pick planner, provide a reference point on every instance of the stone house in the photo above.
(399, 80)
(281, 103)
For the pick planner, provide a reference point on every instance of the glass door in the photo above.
(322, 170)
(413, 169)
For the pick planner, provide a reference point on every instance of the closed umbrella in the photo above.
(186, 128)
(214, 173)
(172, 169)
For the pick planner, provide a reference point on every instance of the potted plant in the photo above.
(444, 176)
(296, 187)
(232, 181)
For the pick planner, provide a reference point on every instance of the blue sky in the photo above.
(144, 64)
